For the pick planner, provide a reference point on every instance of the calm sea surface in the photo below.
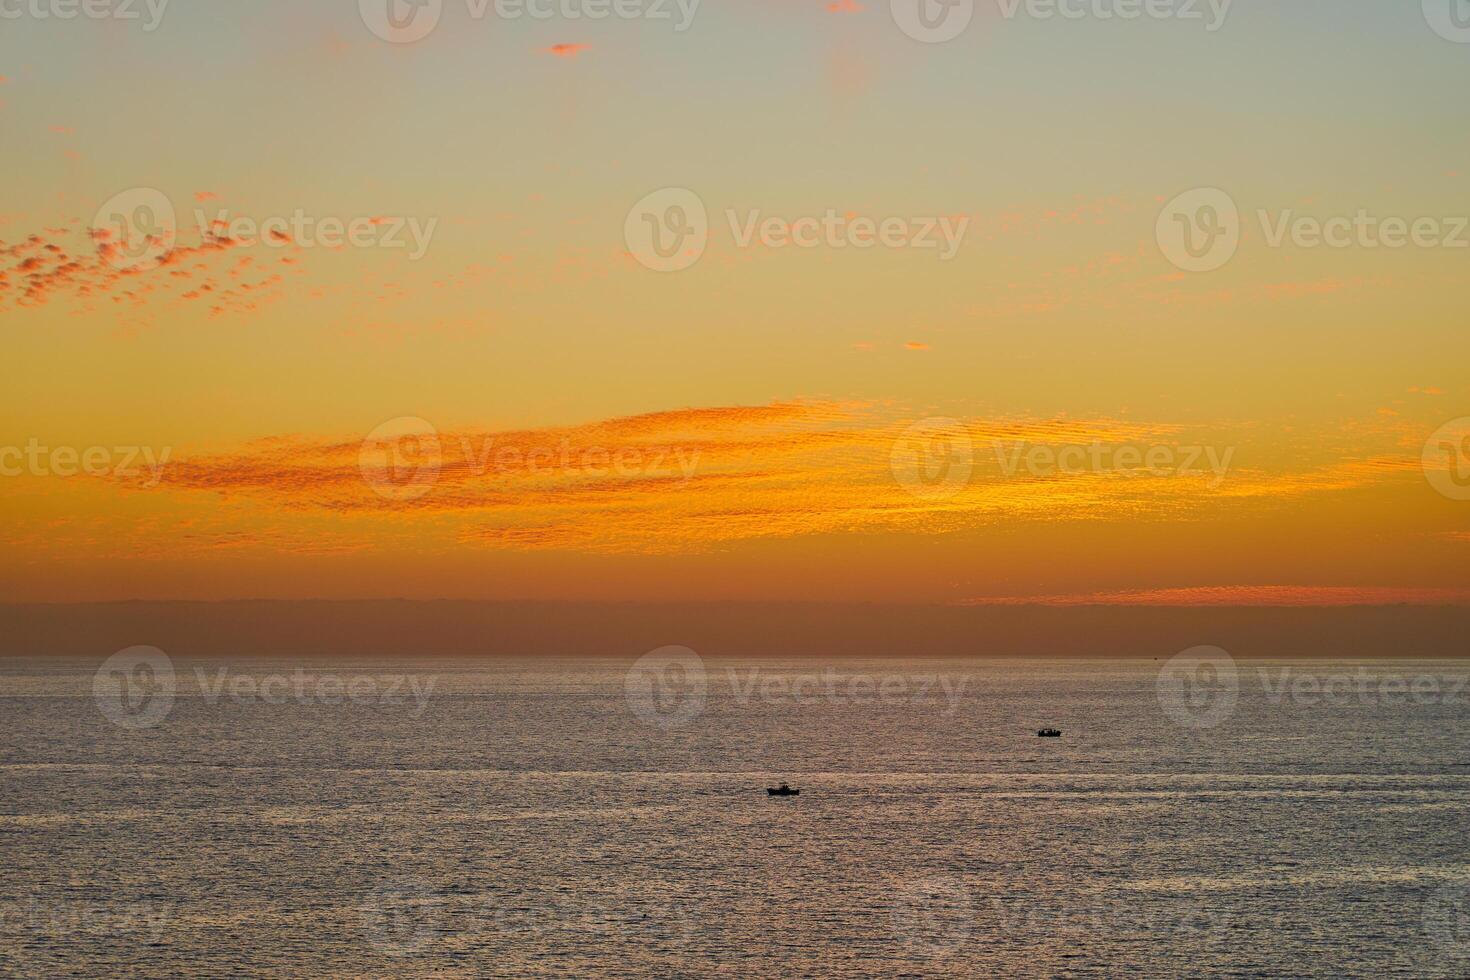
(512, 818)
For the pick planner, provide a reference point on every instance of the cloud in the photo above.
(1248, 595)
(87, 265)
(567, 50)
(695, 479)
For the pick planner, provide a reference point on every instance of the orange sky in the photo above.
(349, 316)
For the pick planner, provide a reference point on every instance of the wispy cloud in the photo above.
(1248, 595)
(694, 479)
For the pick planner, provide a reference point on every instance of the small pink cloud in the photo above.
(915, 345)
(202, 196)
(567, 50)
(844, 7)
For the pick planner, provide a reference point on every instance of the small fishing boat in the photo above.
(1049, 733)
(783, 791)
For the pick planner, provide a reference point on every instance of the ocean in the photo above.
(417, 817)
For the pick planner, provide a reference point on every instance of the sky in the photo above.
(736, 300)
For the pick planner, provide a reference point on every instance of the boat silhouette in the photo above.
(783, 791)
(1049, 733)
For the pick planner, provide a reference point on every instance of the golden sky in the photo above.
(298, 311)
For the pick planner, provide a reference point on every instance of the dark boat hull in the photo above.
(777, 792)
